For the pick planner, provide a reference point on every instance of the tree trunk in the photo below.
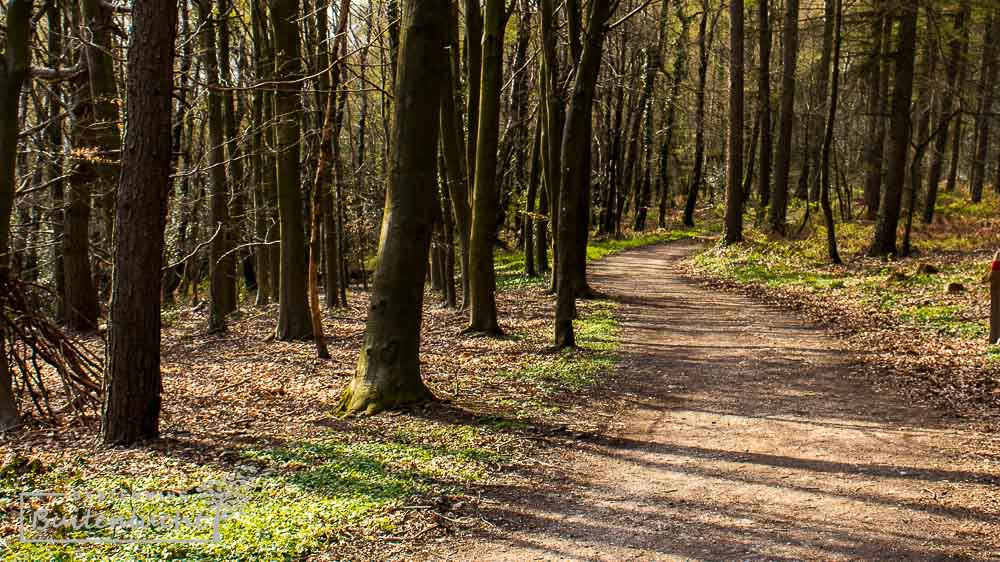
(987, 83)
(388, 371)
(778, 210)
(946, 108)
(534, 173)
(221, 263)
(699, 119)
(764, 101)
(831, 235)
(293, 308)
(877, 81)
(575, 173)
(734, 180)
(96, 147)
(482, 279)
(884, 243)
(13, 71)
(133, 381)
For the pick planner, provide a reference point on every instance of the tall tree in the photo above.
(293, 307)
(878, 88)
(764, 102)
(778, 210)
(132, 373)
(221, 262)
(884, 242)
(575, 175)
(485, 195)
(946, 107)
(14, 67)
(734, 176)
(987, 85)
(388, 371)
(831, 235)
(699, 118)
(96, 153)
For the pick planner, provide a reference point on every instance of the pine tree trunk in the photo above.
(133, 381)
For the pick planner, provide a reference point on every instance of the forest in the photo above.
(499, 279)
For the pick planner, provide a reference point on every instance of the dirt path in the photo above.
(750, 436)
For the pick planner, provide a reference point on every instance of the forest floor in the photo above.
(749, 402)
(741, 431)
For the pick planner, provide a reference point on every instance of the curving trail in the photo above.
(750, 436)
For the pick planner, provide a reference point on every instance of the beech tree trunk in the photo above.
(987, 83)
(293, 307)
(482, 278)
(388, 371)
(132, 374)
(778, 210)
(575, 175)
(734, 179)
(884, 243)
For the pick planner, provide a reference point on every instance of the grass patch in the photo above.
(577, 369)
(286, 501)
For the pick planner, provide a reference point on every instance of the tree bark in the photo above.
(764, 101)
(946, 108)
(884, 243)
(575, 175)
(133, 381)
(831, 235)
(293, 308)
(734, 180)
(878, 81)
(778, 210)
(482, 279)
(388, 371)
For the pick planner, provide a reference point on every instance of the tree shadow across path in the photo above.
(748, 434)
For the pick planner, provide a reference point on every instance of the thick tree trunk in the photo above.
(884, 243)
(388, 371)
(778, 210)
(13, 70)
(133, 381)
(734, 169)
(293, 307)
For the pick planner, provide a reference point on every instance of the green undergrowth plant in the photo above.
(281, 503)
